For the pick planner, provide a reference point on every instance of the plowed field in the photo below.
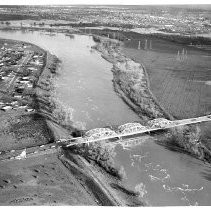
(183, 87)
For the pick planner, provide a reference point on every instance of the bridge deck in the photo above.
(176, 123)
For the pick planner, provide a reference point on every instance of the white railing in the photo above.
(119, 135)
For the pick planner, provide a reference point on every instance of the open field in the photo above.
(19, 130)
(41, 180)
(181, 86)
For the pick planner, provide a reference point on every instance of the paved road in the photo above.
(23, 62)
(30, 152)
(49, 148)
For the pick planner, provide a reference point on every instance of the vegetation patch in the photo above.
(134, 83)
(102, 154)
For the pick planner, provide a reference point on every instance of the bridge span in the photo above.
(130, 130)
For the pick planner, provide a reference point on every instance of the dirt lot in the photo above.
(20, 130)
(182, 87)
(41, 180)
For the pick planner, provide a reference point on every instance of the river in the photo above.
(84, 84)
(163, 177)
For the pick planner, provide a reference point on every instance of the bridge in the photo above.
(129, 130)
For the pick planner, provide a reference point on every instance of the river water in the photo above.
(84, 84)
(163, 177)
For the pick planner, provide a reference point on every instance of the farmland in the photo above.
(182, 86)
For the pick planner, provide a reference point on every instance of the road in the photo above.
(176, 123)
(49, 148)
(23, 62)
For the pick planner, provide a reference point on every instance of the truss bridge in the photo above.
(130, 130)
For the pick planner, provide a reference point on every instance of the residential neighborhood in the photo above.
(19, 69)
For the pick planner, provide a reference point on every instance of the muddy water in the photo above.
(85, 83)
(162, 176)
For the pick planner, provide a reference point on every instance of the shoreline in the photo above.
(118, 57)
(191, 143)
(31, 96)
(45, 105)
(51, 85)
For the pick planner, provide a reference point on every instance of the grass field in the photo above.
(182, 87)
(40, 180)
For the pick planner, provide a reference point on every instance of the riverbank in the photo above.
(47, 119)
(132, 84)
(107, 188)
(48, 109)
(22, 125)
(51, 30)
(47, 123)
(46, 103)
(94, 154)
(130, 80)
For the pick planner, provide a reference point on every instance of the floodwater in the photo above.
(85, 81)
(162, 176)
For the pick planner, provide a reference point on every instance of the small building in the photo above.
(6, 108)
(18, 96)
(30, 110)
(32, 69)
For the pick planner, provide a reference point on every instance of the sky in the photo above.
(101, 2)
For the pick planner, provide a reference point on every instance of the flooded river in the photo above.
(162, 176)
(84, 84)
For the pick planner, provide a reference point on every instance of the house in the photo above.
(30, 110)
(24, 82)
(17, 96)
(25, 78)
(22, 107)
(6, 108)
(14, 103)
(32, 69)
(29, 85)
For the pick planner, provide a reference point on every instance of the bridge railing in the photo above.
(119, 135)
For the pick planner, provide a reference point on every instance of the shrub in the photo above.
(102, 154)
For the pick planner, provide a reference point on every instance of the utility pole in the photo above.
(145, 47)
(139, 45)
(186, 55)
(178, 56)
(183, 54)
(150, 45)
